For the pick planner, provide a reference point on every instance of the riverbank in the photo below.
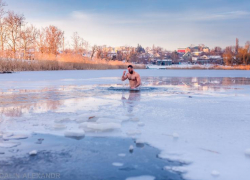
(10, 65)
(209, 66)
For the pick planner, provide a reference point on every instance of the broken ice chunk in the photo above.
(139, 143)
(140, 124)
(131, 148)
(86, 118)
(179, 169)
(117, 164)
(215, 173)
(59, 126)
(122, 155)
(16, 137)
(64, 120)
(7, 134)
(33, 153)
(141, 178)
(175, 135)
(75, 134)
(133, 132)
(89, 126)
(9, 144)
(247, 152)
(135, 119)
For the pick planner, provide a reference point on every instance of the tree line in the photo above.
(18, 39)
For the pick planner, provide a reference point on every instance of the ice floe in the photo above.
(89, 126)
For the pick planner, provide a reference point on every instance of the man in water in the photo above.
(133, 77)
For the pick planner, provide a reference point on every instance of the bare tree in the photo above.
(79, 44)
(94, 49)
(54, 39)
(3, 35)
(41, 42)
(29, 36)
(228, 55)
(13, 24)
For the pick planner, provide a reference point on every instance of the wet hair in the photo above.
(130, 66)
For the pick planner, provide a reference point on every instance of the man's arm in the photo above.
(138, 79)
(124, 77)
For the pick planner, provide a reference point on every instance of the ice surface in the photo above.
(210, 131)
(145, 177)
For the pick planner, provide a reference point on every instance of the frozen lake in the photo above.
(194, 123)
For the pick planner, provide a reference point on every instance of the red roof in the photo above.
(181, 50)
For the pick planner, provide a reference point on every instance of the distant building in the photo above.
(206, 49)
(181, 50)
(164, 62)
(197, 49)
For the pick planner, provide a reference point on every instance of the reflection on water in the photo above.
(132, 100)
(15, 103)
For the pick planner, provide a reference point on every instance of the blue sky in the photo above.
(167, 23)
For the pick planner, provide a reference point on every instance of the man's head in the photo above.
(130, 69)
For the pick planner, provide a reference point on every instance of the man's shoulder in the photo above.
(137, 74)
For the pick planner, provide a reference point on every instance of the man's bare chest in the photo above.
(131, 77)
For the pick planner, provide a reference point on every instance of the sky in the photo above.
(170, 24)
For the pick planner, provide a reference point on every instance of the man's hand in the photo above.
(124, 77)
